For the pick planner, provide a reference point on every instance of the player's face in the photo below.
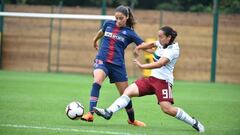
(121, 19)
(163, 39)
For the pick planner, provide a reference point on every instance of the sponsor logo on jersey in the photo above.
(111, 35)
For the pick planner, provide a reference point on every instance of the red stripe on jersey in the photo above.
(93, 98)
(112, 45)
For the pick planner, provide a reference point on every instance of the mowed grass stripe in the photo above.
(65, 129)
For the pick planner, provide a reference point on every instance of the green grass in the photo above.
(34, 103)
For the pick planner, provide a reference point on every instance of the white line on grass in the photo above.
(65, 129)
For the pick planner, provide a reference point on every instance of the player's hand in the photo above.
(137, 63)
(95, 45)
(136, 52)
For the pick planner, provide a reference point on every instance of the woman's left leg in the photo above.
(180, 114)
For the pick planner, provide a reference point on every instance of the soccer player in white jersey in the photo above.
(159, 82)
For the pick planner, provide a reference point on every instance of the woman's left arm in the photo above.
(161, 62)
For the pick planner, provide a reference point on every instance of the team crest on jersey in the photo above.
(124, 32)
(111, 35)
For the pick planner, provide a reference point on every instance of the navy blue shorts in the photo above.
(114, 72)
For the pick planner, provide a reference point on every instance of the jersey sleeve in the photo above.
(104, 26)
(136, 39)
(171, 54)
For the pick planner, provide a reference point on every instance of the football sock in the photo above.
(130, 111)
(119, 103)
(183, 116)
(94, 96)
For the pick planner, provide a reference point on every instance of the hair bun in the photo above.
(174, 33)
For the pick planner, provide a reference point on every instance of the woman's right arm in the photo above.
(96, 38)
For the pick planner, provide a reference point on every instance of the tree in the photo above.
(230, 6)
(226, 6)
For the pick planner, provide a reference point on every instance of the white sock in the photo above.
(119, 103)
(183, 116)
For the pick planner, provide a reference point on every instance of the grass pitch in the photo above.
(34, 103)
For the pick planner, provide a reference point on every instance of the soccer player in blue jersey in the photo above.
(116, 36)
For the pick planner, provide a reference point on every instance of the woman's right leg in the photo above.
(99, 77)
(120, 103)
(140, 86)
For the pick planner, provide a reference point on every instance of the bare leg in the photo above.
(180, 114)
(124, 100)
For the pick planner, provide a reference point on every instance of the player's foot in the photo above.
(88, 117)
(198, 126)
(137, 123)
(103, 113)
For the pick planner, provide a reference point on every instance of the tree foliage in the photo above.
(226, 6)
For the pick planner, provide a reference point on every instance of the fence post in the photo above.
(1, 34)
(214, 40)
(103, 10)
(161, 18)
(59, 37)
(50, 41)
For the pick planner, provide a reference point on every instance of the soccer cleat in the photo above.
(88, 117)
(137, 123)
(103, 113)
(198, 126)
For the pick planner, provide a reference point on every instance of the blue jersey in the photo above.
(115, 41)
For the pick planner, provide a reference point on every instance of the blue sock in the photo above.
(94, 96)
(130, 111)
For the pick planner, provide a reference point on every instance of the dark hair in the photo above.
(128, 13)
(168, 31)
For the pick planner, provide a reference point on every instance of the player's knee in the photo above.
(98, 82)
(131, 91)
(99, 76)
(167, 109)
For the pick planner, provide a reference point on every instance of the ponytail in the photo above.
(130, 21)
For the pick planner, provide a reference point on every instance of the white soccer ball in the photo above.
(74, 110)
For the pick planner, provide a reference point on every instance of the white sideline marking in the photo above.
(64, 129)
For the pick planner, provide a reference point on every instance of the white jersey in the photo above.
(172, 53)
